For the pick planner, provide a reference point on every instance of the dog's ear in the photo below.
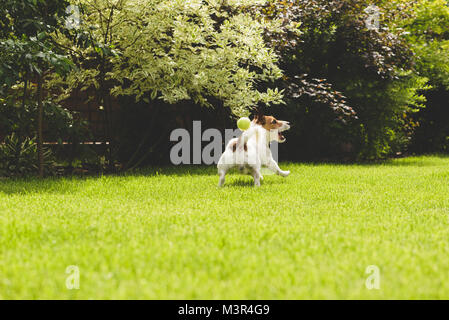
(260, 117)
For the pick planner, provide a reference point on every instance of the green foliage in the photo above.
(347, 86)
(60, 123)
(30, 17)
(18, 157)
(176, 50)
(28, 52)
(340, 69)
(432, 135)
(27, 57)
(426, 29)
(26, 47)
(385, 110)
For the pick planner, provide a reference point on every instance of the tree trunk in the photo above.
(107, 110)
(25, 87)
(40, 151)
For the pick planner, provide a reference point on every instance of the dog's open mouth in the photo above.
(281, 137)
(285, 126)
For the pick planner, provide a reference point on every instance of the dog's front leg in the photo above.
(273, 166)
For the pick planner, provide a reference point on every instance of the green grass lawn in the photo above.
(172, 234)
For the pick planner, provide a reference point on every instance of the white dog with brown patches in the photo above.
(251, 150)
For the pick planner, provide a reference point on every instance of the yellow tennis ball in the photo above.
(244, 123)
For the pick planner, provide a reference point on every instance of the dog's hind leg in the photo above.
(222, 178)
(273, 166)
(222, 169)
(256, 175)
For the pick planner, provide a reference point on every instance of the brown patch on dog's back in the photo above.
(234, 146)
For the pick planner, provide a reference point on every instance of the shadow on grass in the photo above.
(53, 185)
(73, 184)
(186, 170)
(410, 160)
(246, 183)
(423, 161)
(235, 180)
(427, 160)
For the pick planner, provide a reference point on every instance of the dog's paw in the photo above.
(285, 173)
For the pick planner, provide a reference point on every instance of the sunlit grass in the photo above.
(171, 233)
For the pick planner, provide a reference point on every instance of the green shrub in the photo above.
(427, 32)
(339, 66)
(18, 157)
(18, 122)
(60, 123)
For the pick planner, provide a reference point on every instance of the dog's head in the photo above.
(274, 126)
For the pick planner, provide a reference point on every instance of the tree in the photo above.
(426, 29)
(181, 50)
(348, 84)
(27, 52)
(177, 50)
(205, 51)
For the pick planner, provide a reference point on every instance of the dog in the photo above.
(251, 150)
